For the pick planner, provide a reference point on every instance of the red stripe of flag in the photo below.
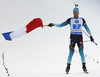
(35, 23)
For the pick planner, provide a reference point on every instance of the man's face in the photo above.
(76, 14)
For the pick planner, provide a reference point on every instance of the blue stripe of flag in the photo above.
(7, 36)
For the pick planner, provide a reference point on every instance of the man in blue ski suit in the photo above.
(76, 23)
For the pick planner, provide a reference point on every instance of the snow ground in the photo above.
(44, 52)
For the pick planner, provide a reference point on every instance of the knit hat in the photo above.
(76, 9)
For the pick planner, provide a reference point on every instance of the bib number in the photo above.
(77, 26)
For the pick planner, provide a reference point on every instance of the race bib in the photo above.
(76, 26)
(76, 29)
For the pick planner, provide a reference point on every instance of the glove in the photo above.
(91, 38)
(51, 24)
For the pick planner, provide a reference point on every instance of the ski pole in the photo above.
(86, 41)
(89, 37)
(90, 40)
(86, 33)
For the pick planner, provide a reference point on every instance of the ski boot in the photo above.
(67, 68)
(84, 68)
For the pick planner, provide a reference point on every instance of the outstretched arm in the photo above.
(60, 25)
(63, 24)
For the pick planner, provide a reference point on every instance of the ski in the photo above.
(67, 72)
(86, 72)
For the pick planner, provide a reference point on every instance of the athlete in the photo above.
(76, 23)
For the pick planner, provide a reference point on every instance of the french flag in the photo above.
(35, 23)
